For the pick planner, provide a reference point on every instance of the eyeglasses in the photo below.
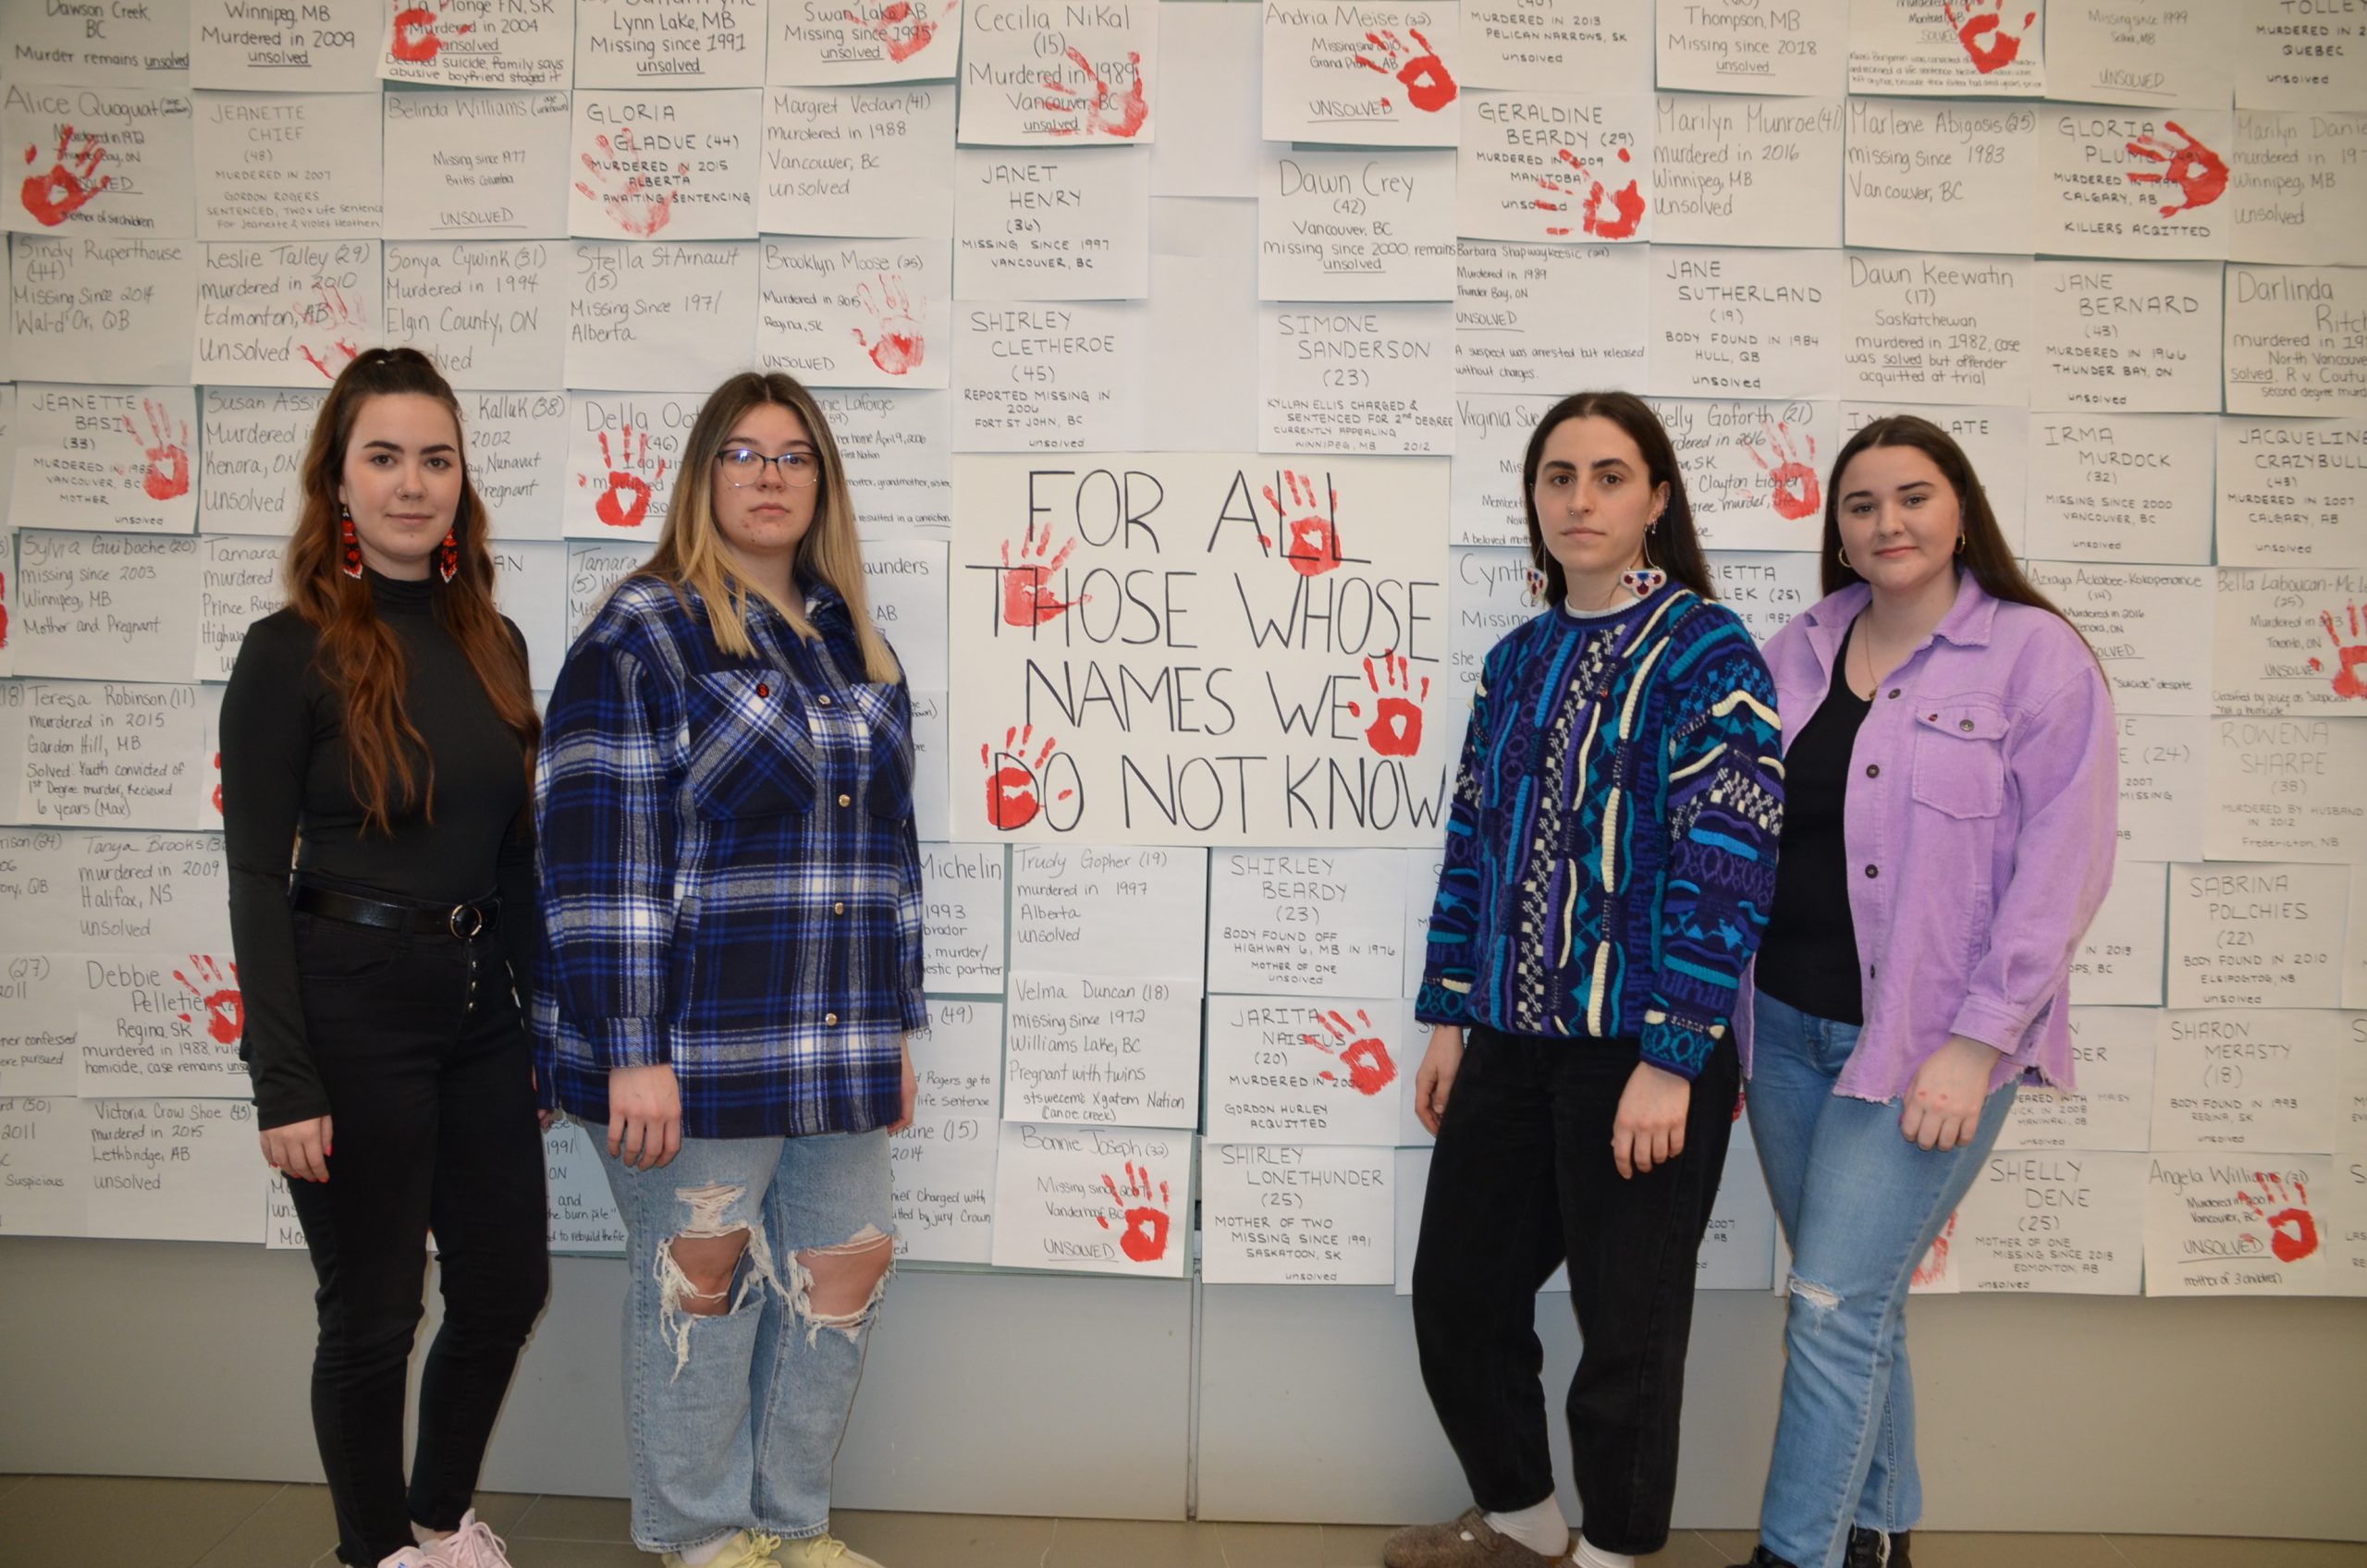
(742, 466)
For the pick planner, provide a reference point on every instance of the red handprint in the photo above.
(2199, 173)
(902, 40)
(631, 205)
(1101, 113)
(1934, 1267)
(1627, 202)
(1311, 540)
(337, 317)
(1428, 85)
(167, 474)
(1028, 596)
(54, 197)
(225, 1013)
(898, 347)
(1396, 728)
(1367, 1059)
(4, 643)
(416, 40)
(1014, 788)
(1792, 483)
(2292, 1230)
(1982, 33)
(2350, 681)
(1145, 1237)
(217, 783)
(626, 500)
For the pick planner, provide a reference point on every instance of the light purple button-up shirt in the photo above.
(1983, 794)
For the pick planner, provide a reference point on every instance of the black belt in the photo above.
(463, 921)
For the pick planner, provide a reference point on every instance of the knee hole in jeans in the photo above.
(838, 1287)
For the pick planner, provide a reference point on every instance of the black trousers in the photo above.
(430, 1081)
(1522, 1179)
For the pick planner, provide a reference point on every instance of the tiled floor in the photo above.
(71, 1521)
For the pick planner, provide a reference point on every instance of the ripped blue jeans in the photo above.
(734, 1416)
(1860, 1205)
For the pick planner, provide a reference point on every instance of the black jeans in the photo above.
(1523, 1179)
(430, 1081)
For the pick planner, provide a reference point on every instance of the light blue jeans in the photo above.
(1860, 1205)
(734, 1420)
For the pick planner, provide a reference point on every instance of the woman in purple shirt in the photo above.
(1950, 793)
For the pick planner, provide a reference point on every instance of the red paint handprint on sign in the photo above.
(2292, 1230)
(1626, 203)
(1983, 33)
(626, 500)
(2350, 681)
(1028, 596)
(899, 346)
(1015, 784)
(1102, 113)
(1311, 538)
(226, 1012)
(2199, 173)
(54, 197)
(1396, 728)
(168, 475)
(4, 618)
(1428, 86)
(1792, 484)
(1934, 1267)
(899, 31)
(1359, 1050)
(417, 40)
(336, 320)
(217, 783)
(1146, 1236)
(621, 173)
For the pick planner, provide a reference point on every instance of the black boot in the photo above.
(1872, 1549)
(1762, 1558)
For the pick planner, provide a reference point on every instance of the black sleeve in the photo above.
(514, 873)
(266, 750)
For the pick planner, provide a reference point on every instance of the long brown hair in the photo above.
(358, 655)
(1676, 545)
(690, 551)
(1986, 555)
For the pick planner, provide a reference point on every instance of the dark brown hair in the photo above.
(1986, 555)
(1676, 545)
(358, 655)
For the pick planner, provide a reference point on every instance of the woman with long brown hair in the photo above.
(378, 741)
(1949, 747)
(731, 878)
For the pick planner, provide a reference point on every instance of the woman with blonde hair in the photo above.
(730, 878)
(379, 730)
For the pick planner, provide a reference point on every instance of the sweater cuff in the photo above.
(1999, 1027)
(1680, 1045)
(1441, 1003)
(628, 1042)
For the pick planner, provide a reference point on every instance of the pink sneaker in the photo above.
(473, 1545)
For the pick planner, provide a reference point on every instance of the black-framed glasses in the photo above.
(742, 466)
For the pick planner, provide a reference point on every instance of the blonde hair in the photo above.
(692, 553)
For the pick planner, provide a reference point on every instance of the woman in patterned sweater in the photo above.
(1610, 856)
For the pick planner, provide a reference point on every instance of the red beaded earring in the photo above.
(353, 542)
(447, 561)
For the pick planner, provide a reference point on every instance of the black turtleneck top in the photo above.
(288, 800)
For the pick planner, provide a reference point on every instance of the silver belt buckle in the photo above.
(476, 921)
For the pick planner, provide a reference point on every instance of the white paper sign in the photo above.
(1767, 589)
(47, 1161)
(670, 43)
(2256, 936)
(676, 164)
(1316, 1068)
(239, 586)
(679, 317)
(897, 448)
(1030, 80)
(1491, 440)
(2120, 958)
(289, 165)
(2112, 1052)
(584, 1216)
(2242, 1224)
(530, 587)
(115, 460)
(2121, 183)
(1992, 47)
(106, 606)
(97, 160)
(2130, 337)
(1356, 226)
(477, 165)
(1066, 225)
(146, 46)
(2145, 52)
(252, 454)
(2294, 57)
(1107, 912)
(2290, 491)
(963, 887)
(289, 314)
(1752, 469)
(1061, 377)
(330, 45)
(2249, 1079)
(496, 314)
(1378, 75)
(1748, 171)
(40, 1053)
(857, 161)
(2283, 790)
(932, 778)
(1280, 922)
(1293, 1214)
(623, 449)
(517, 452)
(856, 312)
(819, 46)
(1939, 175)
(116, 309)
(1490, 591)
(1737, 46)
(2163, 774)
(2291, 642)
(1556, 167)
(2054, 1222)
(1093, 1199)
(1102, 1052)
(1746, 324)
(159, 1022)
(2296, 186)
(1540, 318)
(2296, 338)
(592, 569)
(1935, 329)
(1363, 378)
(943, 1165)
(112, 892)
(174, 1169)
(1508, 43)
(2121, 487)
(477, 43)
(2143, 623)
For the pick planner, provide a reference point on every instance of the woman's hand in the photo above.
(1435, 1078)
(644, 1116)
(300, 1149)
(1945, 1097)
(911, 1091)
(1649, 1128)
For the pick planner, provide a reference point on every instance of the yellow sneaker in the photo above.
(749, 1549)
(824, 1550)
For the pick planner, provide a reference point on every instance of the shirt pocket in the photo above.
(878, 708)
(1960, 765)
(749, 753)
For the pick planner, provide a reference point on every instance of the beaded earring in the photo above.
(447, 559)
(1647, 580)
(353, 542)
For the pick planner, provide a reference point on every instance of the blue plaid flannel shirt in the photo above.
(730, 871)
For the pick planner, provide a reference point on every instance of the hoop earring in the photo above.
(1840, 554)
(1647, 580)
(1960, 544)
(352, 541)
(447, 559)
